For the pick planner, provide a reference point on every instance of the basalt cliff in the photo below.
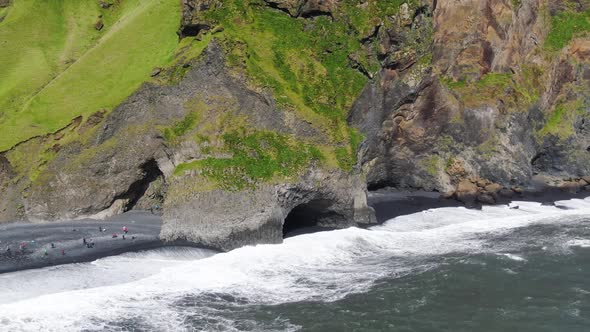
(241, 120)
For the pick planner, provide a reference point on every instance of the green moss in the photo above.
(256, 157)
(560, 122)
(305, 63)
(180, 128)
(516, 4)
(431, 164)
(494, 80)
(453, 84)
(564, 26)
(516, 91)
(449, 163)
(530, 83)
(488, 148)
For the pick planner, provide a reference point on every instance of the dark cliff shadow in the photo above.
(311, 217)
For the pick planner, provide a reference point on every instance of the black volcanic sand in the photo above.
(391, 203)
(144, 230)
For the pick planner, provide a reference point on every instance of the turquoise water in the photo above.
(448, 269)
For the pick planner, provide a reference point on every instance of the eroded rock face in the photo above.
(304, 8)
(127, 152)
(475, 37)
(193, 18)
(227, 220)
(480, 108)
(126, 163)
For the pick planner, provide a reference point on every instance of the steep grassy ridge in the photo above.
(56, 65)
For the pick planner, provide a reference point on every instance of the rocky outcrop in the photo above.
(227, 220)
(122, 161)
(487, 105)
(193, 18)
(463, 97)
(304, 8)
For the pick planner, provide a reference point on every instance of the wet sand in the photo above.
(391, 203)
(144, 229)
(143, 233)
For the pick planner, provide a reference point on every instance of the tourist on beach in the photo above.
(45, 252)
(63, 252)
(114, 235)
(52, 245)
(100, 229)
(84, 240)
(125, 230)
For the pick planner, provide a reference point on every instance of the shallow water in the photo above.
(448, 269)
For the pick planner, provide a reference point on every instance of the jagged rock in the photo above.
(570, 187)
(193, 21)
(467, 186)
(493, 188)
(126, 164)
(105, 4)
(304, 8)
(227, 220)
(507, 193)
(448, 195)
(156, 72)
(99, 25)
(403, 120)
(482, 183)
(486, 199)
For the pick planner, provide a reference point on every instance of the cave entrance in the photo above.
(192, 30)
(151, 172)
(310, 217)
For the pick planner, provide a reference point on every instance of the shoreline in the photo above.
(144, 229)
(412, 201)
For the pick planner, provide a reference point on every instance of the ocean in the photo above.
(523, 267)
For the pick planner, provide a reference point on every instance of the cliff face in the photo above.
(253, 124)
(503, 102)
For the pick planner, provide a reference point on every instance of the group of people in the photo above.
(89, 243)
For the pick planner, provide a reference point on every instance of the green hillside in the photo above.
(56, 65)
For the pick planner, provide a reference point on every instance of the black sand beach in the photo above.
(144, 229)
(390, 203)
(143, 233)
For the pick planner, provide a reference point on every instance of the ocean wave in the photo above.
(322, 266)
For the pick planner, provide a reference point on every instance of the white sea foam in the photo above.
(322, 266)
(514, 257)
(583, 243)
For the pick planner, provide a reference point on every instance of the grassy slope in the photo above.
(565, 26)
(305, 63)
(56, 66)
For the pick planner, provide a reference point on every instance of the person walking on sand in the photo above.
(63, 252)
(84, 240)
(45, 252)
(125, 230)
